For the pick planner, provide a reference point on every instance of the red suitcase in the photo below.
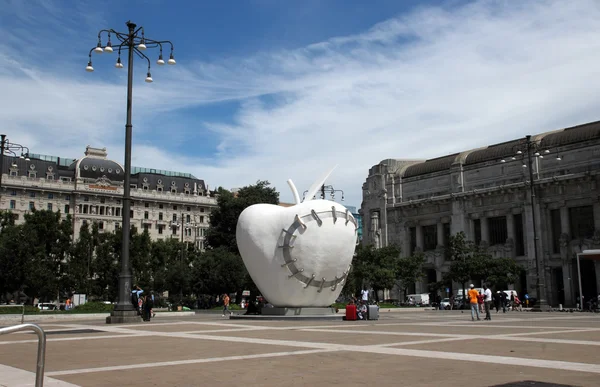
(350, 312)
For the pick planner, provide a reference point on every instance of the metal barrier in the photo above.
(22, 306)
(41, 354)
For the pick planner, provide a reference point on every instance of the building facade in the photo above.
(90, 189)
(418, 204)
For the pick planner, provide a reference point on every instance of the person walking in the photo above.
(365, 295)
(487, 294)
(472, 294)
(226, 305)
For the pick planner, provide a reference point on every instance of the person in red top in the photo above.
(472, 294)
(480, 301)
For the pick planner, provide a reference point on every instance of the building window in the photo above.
(49, 206)
(187, 219)
(67, 208)
(174, 218)
(31, 206)
(132, 203)
(187, 191)
(86, 198)
(160, 229)
(201, 219)
(118, 211)
(160, 206)
(32, 174)
(519, 235)
(131, 213)
(173, 190)
(146, 227)
(102, 210)
(13, 193)
(477, 230)
(117, 225)
(100, 225)
(174, 208)
(65, 179)
(67, 197)
(85, 209)
(413, 239)
(146, 215)
(13, 204)
(50, 196)
(31, 194)
(498, 231)
(133, 186)
(556, 230)
(201, 209)
(14, 173)
(160, 216)
(174, 230)
(102, 200)
(189, 208)
(429, 237)
(582, 222)
(159, 189)
(147, 205)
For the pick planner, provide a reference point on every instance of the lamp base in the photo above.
(123, 317)
(541, 306)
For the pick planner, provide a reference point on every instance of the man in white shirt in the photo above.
(365, 295)
(487, 300)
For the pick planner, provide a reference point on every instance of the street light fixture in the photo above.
(532, 149)
(135, 42)
(326, 189)
(12, 149)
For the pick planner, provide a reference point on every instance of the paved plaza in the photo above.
(425, 348)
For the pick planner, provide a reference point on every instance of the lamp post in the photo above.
(531, 149)
(135, 42)
(12, 149)
(326, 189)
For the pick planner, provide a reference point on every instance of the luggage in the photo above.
(350, 313)
(373, 312)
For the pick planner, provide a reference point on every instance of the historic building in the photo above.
(90, 189)
(418, 204)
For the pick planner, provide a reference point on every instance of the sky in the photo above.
(273, 90)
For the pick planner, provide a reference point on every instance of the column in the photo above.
(597, 266)
(510, 228)
(597, 215)
(565, 227)
(419, 230)
(568, 282)
(406, 240)
(440, 234)
(485, 232)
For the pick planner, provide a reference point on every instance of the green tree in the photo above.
(218, 271)
(377, 267)
(140, 249)
(223, 219)
(410, 270)
(13, 258)
(106, 265)
(47, 239)
(79, 269)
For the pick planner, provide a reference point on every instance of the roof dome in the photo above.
(94, 168)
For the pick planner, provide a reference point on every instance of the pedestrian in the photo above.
(497, 301)
(504, 301)
(472, 294)
(226, 305)
(364, 295)
(487, 294)
(480, 301)
(148, 305)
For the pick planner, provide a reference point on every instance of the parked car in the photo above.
(46, 306)
(445, 303)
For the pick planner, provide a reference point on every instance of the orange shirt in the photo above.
(226, 300)
(473, 296)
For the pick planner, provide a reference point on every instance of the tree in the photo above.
(410, 270)
(218, 271)
(47, 240)
(223, 219)
(13, 259)
(140, 249)
(378, 267)
(105, 264)
(79, 265)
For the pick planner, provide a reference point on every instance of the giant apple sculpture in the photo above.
(298, 256)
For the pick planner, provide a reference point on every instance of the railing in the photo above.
(17, 306)
(41, 354)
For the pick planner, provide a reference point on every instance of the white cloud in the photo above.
(426, 84)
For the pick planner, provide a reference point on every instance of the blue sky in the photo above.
(267, 89)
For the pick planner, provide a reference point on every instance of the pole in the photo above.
(125, 276)
(541, 304)
(3, 136)
(579, 279)
(181, 265)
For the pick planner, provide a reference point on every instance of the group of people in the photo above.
(481, 302)
(143, 303)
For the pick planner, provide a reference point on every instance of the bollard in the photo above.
(559, 306)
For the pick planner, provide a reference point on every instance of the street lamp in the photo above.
(12, 149)
(183, 248)
(531, 149)
(135, 42)
(326, 189)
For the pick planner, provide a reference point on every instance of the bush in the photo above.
(92, 307)
(29, 309)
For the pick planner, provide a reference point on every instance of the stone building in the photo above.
(90, 189)
(418, 204)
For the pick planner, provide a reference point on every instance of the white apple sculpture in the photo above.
(298, 256)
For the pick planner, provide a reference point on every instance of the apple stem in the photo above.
(294, 191)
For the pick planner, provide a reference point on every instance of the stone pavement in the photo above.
(430, 348)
